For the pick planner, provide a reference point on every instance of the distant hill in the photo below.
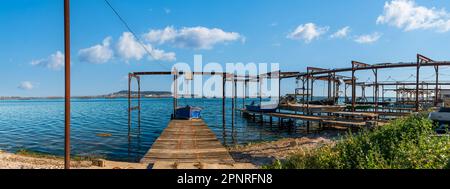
(120, 94)
(154, 94)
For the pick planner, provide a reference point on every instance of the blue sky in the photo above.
(294, 33)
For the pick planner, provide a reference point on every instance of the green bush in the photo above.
(406, 143)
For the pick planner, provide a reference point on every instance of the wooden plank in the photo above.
(345, 123)
(187, 141)
(358, 114)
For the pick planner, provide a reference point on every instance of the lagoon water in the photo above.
(38, 125)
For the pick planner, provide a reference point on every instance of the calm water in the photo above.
(38, 125)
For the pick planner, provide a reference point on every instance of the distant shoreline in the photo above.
(116, 95)
(61, 98)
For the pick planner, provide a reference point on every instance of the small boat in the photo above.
(188, 112)
(262, 108)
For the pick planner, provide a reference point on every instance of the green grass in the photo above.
(405, 143)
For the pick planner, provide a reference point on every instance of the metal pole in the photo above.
(279, 86)
(223, 99)
(175, 93)
(436, 89)
(345, 93)
(329, 85)
(307, 93)
(353, 88)
(67, 84)
(245, 94)
(129, 104)
(376, 90)
(233, 101)
(139, 100)
(417, 83)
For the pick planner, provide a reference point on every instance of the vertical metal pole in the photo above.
(436, 89)
(139, 100)
(417, 83)
(303, 90)
(67, 84)
(233, 101)
(396, 93)
(353, 88)
(245, 93)
(376, 90)
(279, 86)
(129, 103)
(307, 93)
(338, 86)
(235, 93)
(260, 98)
(329, 85)
(312, 89)
(175, 93)
(345, 92)
(224, 78)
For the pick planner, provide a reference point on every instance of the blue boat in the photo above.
(270, 108)
(188, 112)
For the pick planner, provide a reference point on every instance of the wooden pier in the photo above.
(330, 120)
(187, 141)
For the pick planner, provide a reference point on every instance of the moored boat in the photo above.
(188, 112)
(262, 108)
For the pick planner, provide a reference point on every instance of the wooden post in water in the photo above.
(67, 84)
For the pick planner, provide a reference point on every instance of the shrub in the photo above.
(405, 143)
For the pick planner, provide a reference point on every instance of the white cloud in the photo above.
(192, 37)
(369, 38)
(54, 61)
(407, 15)
(97, 54)
(129, 48)
(26, 85)
(341, 33)
(307, 32)
(158, 54)
(167, 11)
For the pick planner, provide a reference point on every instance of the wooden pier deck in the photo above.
(187, 141)
(319, 119)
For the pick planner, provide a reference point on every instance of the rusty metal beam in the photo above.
(67, 84)
(378, 66)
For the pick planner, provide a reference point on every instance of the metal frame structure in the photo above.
(234, 78)
(422, 61)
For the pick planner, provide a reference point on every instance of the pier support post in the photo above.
(129, 103)
(233, 104)
(353, 87)
(224, 80)
(376, 92)
(436, 89)
(175, 92)
(417, 82)
(139, 101)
